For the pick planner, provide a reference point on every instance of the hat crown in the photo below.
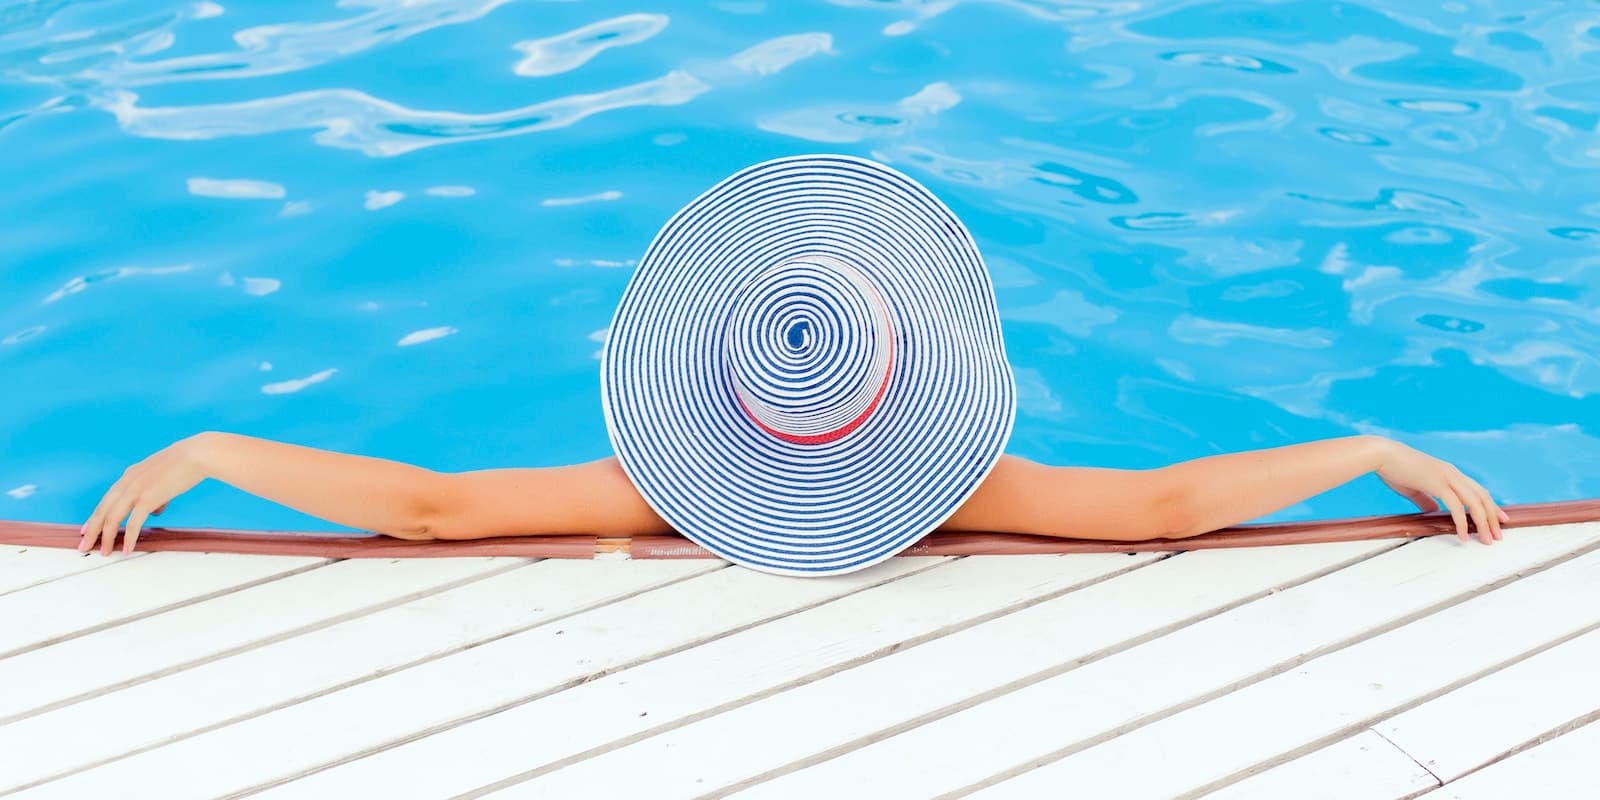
(809, 348)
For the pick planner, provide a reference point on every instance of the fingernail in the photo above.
(83, 544)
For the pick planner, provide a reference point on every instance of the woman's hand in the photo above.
(1416, 475)
(144, 489)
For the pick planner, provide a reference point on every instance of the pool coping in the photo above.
(654, 546)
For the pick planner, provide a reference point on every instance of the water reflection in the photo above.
(597, 197)
(352, 119)
(1211, 225)
(283, 47)
(79, 283)
(850, 123)
(235, 188)
(425, 335)
(376, 199)
(568, 51)
(295, 385)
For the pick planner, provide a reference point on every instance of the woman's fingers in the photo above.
(143, 490)
(108, 540)
(1491, 512)
(1447, 496)
(1500, 519)
(130, 535)
(91, 529)
(1480, 517)
(1421, 498)
(97, 521)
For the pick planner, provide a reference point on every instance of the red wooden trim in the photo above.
(1347, 529)
(291, 543)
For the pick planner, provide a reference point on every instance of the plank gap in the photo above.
(1356, 727)
(576, 681)
(1261, 675)
(112, 623)
(1550, 735)
(842, 666)
(375, 674)
(514, 564)
(105, 562)
(1036, 677)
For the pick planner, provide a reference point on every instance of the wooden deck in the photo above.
(1370, 669)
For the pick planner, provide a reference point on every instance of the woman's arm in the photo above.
(410, 502)
(1229, 488)
(388, 497)
(1204, 494)
(374, 494)
(370, 493)
(1225, 489)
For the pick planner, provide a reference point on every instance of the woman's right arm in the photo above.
(375, 494)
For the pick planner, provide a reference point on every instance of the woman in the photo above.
(805, 375)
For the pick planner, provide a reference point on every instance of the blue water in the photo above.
(400, 229)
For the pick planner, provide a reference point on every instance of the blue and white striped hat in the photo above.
(806, 374)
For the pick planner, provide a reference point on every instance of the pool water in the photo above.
(400, 228)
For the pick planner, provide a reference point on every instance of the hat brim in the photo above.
(808, 509)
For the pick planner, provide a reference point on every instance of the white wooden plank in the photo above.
(469, 683)
(114, 657)
(212, 694)
(132, 588)
(715, 674)
(1096, 700)
(1207, 745)
(912, 682)
(21, 567)
(1482, 721)
(1564, 767)
(1364, 766)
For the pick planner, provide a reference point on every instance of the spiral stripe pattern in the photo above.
(806, 374)
(809, 348)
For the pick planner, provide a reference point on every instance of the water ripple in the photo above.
(568, 51)
(293, 46)
(81, 282)
(236, 188)
(854, 122)
(1210, 223)
(352, 119)
(356, 120)
(296, 384)
(1233, 61)
(597, 197)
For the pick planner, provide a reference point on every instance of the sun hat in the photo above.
(805, 373)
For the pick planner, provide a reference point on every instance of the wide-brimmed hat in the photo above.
(805, 374)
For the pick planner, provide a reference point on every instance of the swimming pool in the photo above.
(401, 228)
